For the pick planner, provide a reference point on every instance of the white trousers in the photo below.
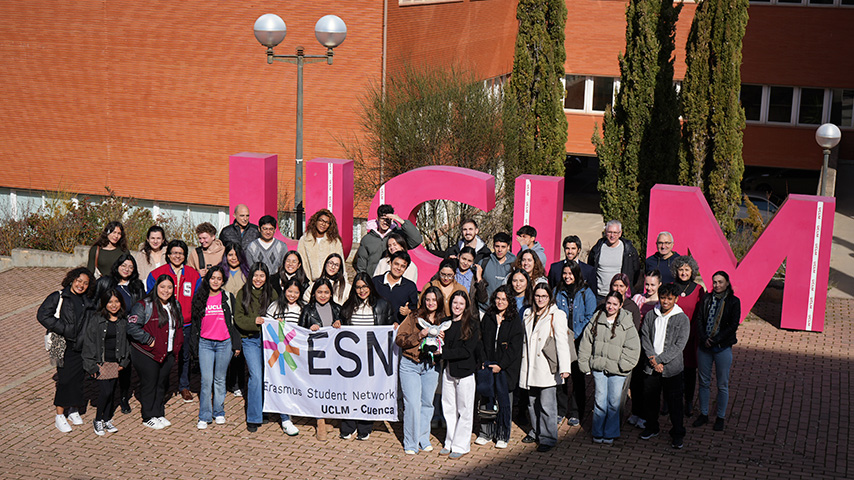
(458, 410)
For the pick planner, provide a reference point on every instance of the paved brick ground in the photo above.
(789, 418)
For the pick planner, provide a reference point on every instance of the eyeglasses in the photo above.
(542, 296)
(362, 287)
(446, 275)
(176, 254)
(323, 220)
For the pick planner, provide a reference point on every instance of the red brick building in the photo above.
(150, 98)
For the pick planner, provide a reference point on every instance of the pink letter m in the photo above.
(801, 233)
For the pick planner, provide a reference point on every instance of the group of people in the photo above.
(514, 336)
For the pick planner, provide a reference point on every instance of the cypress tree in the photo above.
(639, 146)
(711, 150)
(535, 91)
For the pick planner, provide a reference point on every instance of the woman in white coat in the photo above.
(542, 321)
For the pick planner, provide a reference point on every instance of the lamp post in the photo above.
(270, 30)
(827, 136)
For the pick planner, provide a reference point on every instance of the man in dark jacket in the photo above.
(373, 244)
(612, 255)
(663, 258)
(400, 292)
(241, 231)
(469, 238)
(571, 251)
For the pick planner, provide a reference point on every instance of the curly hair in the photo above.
(72, 275)
(680, 262)
(331, 232)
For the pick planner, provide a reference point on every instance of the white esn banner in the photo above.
(347, 372)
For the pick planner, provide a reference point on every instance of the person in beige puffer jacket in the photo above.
(609, 349)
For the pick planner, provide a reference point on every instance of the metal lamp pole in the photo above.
(827, 136)
(330, 31)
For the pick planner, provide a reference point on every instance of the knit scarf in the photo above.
(713, 322)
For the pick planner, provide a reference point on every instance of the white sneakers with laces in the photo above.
(165, 423)
(75, 418)
(289, 428)
(202, 425)
(154, 423)
(62, 424)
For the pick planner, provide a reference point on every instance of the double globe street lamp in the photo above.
(270, 30)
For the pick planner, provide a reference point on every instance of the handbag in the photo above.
(108, 371)
(550, 347)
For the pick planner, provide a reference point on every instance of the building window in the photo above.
(811, 106)
(603, 93)
(574, 99)
(780, 104)
(588, 93)
(751, 100)
(842, 107)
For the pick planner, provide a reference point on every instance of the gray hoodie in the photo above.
(538, 249)
(676, 337)
(373, 244)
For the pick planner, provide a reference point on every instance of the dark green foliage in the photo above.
(711, 151)
(640, 142)
(535, 91)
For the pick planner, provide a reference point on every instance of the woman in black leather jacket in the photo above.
(64, 313)
(321, 311)
(717, 320)
(364, 307)
(363, 298)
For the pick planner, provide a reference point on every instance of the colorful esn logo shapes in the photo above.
(281, 346)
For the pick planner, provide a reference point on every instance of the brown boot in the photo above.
(321, 429)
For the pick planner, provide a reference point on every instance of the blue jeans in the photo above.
(542, 411)
(418, 382)
(184, 362)
(253, 353)
(723, 362)
(214, 357)
(606, 404)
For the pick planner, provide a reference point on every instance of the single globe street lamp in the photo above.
(270, 30)
(827, 136)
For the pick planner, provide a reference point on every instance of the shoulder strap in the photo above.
(552, 323)
(201, 254)
(59, 304)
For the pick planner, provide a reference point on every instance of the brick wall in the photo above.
(130, 94)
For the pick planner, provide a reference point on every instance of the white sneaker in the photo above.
(154, 423)
(164, 422)
(219, 420)
(62, 424)
(289, 428)
(641, 423)
(99, 427)
(75, 418)
(202, 425)
(108, 425)
(501, 444)
(633, 420)
(410, 452)
(481, 440)
(428, 448)
(237, 392)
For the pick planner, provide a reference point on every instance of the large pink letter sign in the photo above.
(538, 202)
(406, 192)
(253, 181)
(329, 184)
(801, 233)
